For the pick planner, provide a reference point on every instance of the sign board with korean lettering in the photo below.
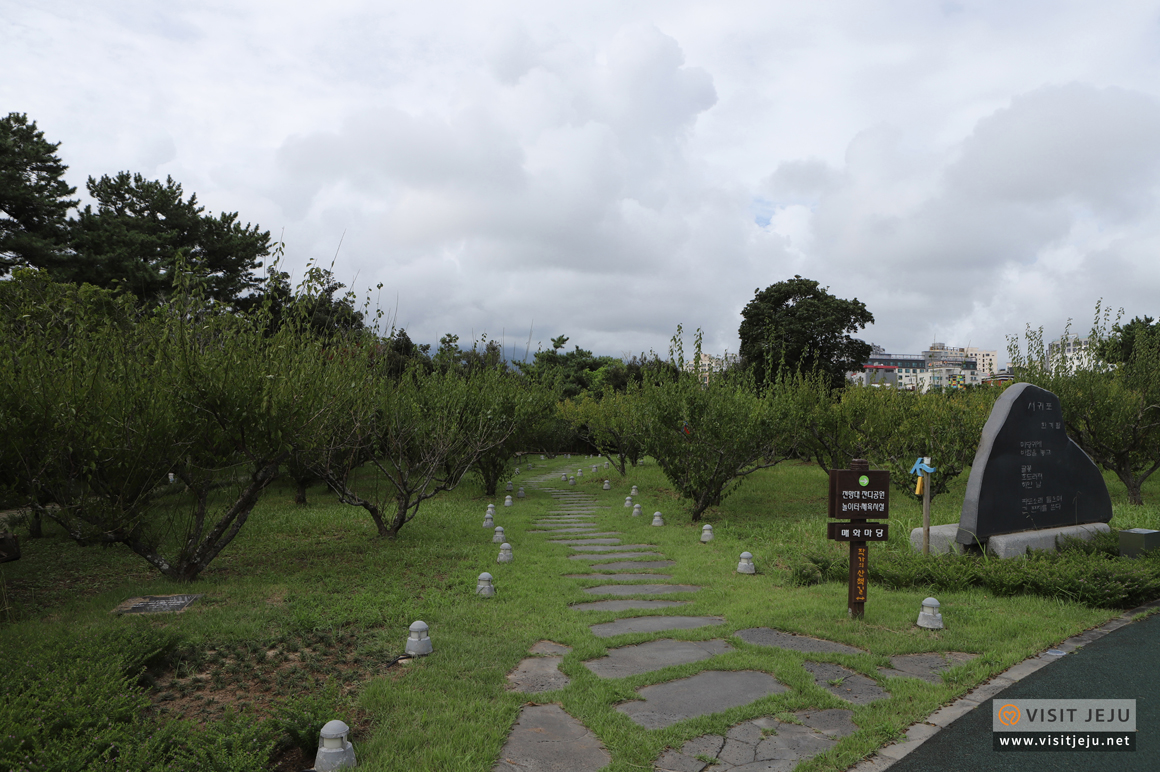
(858, 531)
(859, 495)
(1028, 474)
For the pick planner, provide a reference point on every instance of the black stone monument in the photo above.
(1028, 474)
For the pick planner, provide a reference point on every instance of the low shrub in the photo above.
(1091, 573)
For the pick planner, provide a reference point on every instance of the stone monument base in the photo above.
(942, 539)
(1007, 545)
(1015, 545)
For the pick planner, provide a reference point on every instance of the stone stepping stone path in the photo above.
(617, 548)
(546, 739)
(618, 556)
(625, 605)
(571, 542)
(654, 655)
(761, 744)
(709, 692)
(652, 625)
(765, 636)
(846, 684)
(928, 667)
(618, 577)
(629, 565)
(640, 589)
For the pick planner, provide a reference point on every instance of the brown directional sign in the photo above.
(858, 575)
(857, 494)
(858, 531)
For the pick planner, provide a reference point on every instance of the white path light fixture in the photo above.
(658, 519)
(507, 501)
(930, 617)
(498, 538)
(484, 587)
(607, 485)
(418, 642)
(634, 491)
(488, 520)
(627, 502)
(706, 533)
(636, 512)
(505, 553)
(520, 494)
(746, 565)
(335, 751)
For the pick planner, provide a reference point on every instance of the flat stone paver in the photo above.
(570, 529)
(629, 565)
(538, 674)
(570, 542)
(928, 667)
(617, 556)
(762, 744)
(654, 655)
(640, 589)
(710, 692)
(766, 636)
(610, 548)
(624, 605)
(546, 739)
(550, 647)
(618, 577)
(652, 625)
(847, 685)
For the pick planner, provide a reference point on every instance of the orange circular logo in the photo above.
(1009, 715)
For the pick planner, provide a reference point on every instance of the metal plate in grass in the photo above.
(156, 604)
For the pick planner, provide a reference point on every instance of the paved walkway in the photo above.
(957, 737)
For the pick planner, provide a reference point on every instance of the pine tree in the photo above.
(34, 198)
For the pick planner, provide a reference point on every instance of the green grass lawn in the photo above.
(307, 596)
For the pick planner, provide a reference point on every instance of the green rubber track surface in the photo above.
(1124, 664)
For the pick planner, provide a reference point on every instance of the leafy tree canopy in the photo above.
(799, 325)
(1120, 344)
(132, 239)
(34, 198)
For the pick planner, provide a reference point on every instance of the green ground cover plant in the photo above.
(306, 611)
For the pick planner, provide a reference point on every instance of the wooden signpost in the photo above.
(858, 495)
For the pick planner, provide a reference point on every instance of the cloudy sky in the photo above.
(607, 170)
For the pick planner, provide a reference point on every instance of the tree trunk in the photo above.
(300, 494)
(35, 525)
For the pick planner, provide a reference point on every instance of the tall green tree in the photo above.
(132, 239)
(797, 324)
(34, 198)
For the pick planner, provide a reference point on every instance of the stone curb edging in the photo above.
(922, 731)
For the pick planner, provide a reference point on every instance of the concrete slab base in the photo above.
(709, 692)
(538, 674)
(624, 605)
(846, 684)
(1015, 545)
(762, 744)
(546, 739)
(766, 636)
(630, 565)
(942, 539)
(618, 556)
(652, 625)
(640, 589)
(654, 655)
(928, 667)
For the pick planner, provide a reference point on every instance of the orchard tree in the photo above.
(708, 437)
(613, 424)
(417, 435)
(799, 326)
(34, 198)
(1112, 412)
